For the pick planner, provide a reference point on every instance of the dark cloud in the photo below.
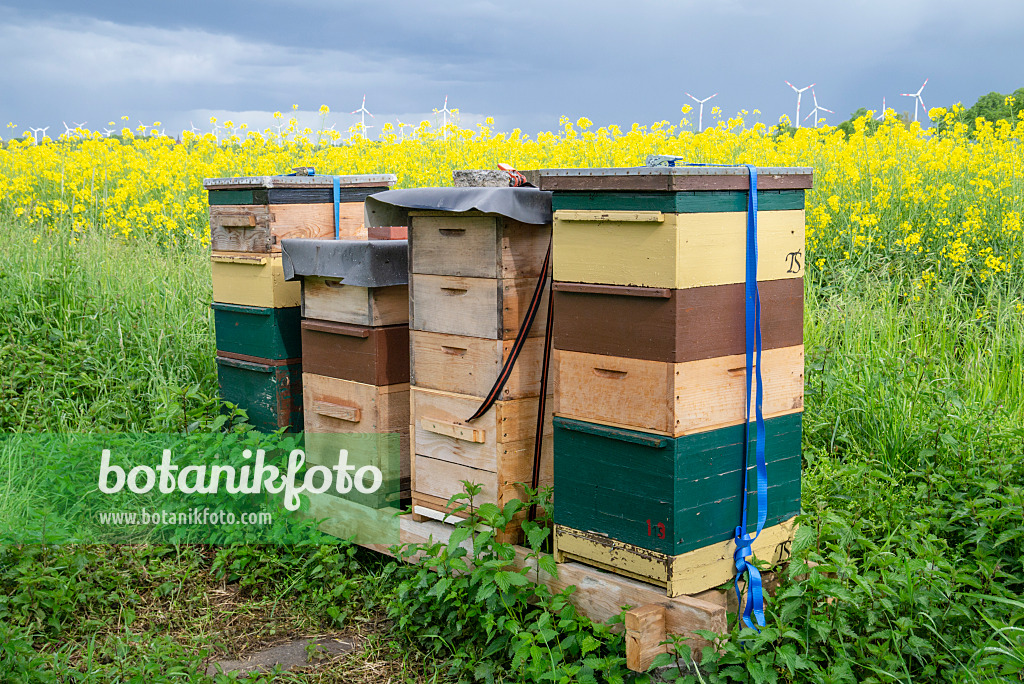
(524, 62)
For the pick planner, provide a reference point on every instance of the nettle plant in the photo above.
(466, 600)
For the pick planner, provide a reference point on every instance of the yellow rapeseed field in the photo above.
(932, 206)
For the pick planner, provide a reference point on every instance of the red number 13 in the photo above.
(658, 527)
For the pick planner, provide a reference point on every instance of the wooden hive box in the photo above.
(673, 227)
(360, 282)
(253, 214)
(339, 406)
(675, 398)
(670, 496)
(365, 354)
(329, 299)
(252, 280)
(470, 365)
(257, 331)
(270, 392)
(496, 450)
(673, 326)
(474, 274)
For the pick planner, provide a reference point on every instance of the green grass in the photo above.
(913, 487)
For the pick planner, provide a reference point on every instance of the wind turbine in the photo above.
(363, 111)
(401, 128)
(917, 99)
(817, 107)
(445, 112)
(67, 129)
(108, 131)
(700, 115)
(799, 94)
(881, 117)
(35, 132)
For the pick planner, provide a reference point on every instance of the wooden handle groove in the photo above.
(351, 414)
(454, 430)
(610, 373)
(454, 291)
(452, 232)
(454, 351)
(336, 284)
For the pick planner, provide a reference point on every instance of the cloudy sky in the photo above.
(524, 62)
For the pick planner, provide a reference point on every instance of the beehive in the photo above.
(650, 339)
(355, 356)
(473, 276)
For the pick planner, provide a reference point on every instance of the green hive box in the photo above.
(626, 484)
(270, 392)
(690, 202)
(259, 331)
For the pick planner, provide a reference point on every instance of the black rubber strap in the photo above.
(541, 407)
(520, 341)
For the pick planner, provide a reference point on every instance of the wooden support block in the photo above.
(675, 399)
(328, 299)
(475, 307)
(470, 365)
(598, 594)
(475, 245)
(645, 634)
(682, 251)
(252, 280)
(367, 354)
(260, 228)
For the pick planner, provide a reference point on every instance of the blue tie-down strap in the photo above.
(754, 606)
(337, 206)
(755, 386)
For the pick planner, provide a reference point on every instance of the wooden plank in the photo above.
(265, 332)
(674, 399)
(366, 354)
(328, 299)
(683, 574)
(270, 394)
(476, 245)
(317, 221)
(508, 428)
(598, 594)
(238, 279)
(692, 202)
(345, 519)
(381, 180)
(346, 195)
(474, 307)
(686, 250)
(470, 365)
(673, 180)
(687, 325)
(645, 634)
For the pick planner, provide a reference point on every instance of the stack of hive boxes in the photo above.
(473, 277)
(649, 270)
(355, 356)
(256, 312)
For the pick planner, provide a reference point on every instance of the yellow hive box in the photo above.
(657, 249)
(253, 280)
